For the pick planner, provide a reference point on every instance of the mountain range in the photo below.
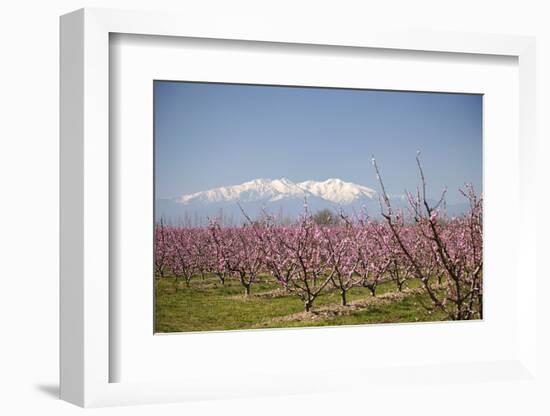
(281, 197)
(268, 190)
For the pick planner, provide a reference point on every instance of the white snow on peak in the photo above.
(337, 191)
(269, 190)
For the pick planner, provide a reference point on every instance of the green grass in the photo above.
(208, 306)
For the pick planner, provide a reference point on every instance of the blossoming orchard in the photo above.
(417, 258)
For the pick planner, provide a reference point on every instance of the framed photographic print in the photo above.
(243, 211)
(263, 216)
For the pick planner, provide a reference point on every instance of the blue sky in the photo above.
(211, 135)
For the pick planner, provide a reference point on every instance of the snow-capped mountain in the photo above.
(268, 190)
(337, 191)
(256, 190)
(280, 196)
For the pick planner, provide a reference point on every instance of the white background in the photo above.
(29, 185)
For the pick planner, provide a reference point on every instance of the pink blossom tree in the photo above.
(239, 253)
(342, 245)
(454, 245)
(161, 249)
(302, 261)
(181, 255)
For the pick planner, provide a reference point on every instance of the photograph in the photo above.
(302, 206)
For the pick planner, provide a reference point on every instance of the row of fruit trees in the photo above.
(307, 258)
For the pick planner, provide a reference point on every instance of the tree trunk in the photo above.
(307, 305)
(344, 300)
(247, 290)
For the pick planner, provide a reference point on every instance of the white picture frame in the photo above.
(86, 356)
